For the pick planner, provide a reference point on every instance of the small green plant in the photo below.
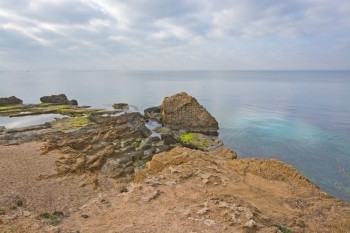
(78, 122)
(123, 190)
(19, 203)
(44, 215)
(57, 213)
(282, 228)
(54, 222)
(53, 219)
(137, 163)
(138, 140)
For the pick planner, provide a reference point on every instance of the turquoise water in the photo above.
(300, 117)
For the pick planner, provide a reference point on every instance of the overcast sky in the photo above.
(174, 34)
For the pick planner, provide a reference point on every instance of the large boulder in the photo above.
(183, 112)
(7, 101)
(58, 99)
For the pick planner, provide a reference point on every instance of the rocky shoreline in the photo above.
(113, 141)
(106, 148)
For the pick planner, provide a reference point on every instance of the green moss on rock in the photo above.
(188, 137)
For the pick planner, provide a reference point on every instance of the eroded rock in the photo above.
(183, 112)
(58, 99)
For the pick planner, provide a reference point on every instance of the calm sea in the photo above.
(300, 117)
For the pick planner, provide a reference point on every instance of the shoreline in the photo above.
(99, 152)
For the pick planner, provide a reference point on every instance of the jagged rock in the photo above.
(2, 129)
(183, 112)
(153, 113)
(111, 145)
(121, 106)
(7, 101)
(58, 99)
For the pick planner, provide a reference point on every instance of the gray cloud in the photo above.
(163, 34)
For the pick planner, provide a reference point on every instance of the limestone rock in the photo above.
(225, 152)
(183, 112)
(7, 101)
(58, 99)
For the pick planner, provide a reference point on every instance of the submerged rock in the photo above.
(7, 101)
(183, 112)
(58, 99)
(121, 106)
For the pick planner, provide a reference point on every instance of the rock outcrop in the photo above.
(115, 145)
(183, 112)
(12, 100)
(58, 99)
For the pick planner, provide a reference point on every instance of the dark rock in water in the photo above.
(121, 106)
(7, 101)
(183, 112)
(74, 102)
(153, 113)
(58, 99)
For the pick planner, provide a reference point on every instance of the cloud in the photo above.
(163, 34)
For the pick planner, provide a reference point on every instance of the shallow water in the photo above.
(300, 117)
(24, 121)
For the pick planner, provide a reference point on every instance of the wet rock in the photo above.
(109, 145)
(7, 101)
(153, 113)
(2, 129)
(169, 139)
(183, 112)
(58, 99)
(121, 106)
(148, 143)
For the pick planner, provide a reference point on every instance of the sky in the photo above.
(174, 34)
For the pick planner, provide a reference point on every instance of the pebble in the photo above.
(250, 224)
(26, 213)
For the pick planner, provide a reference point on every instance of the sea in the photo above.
(299, 117)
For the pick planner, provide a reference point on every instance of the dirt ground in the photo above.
(182, 190)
